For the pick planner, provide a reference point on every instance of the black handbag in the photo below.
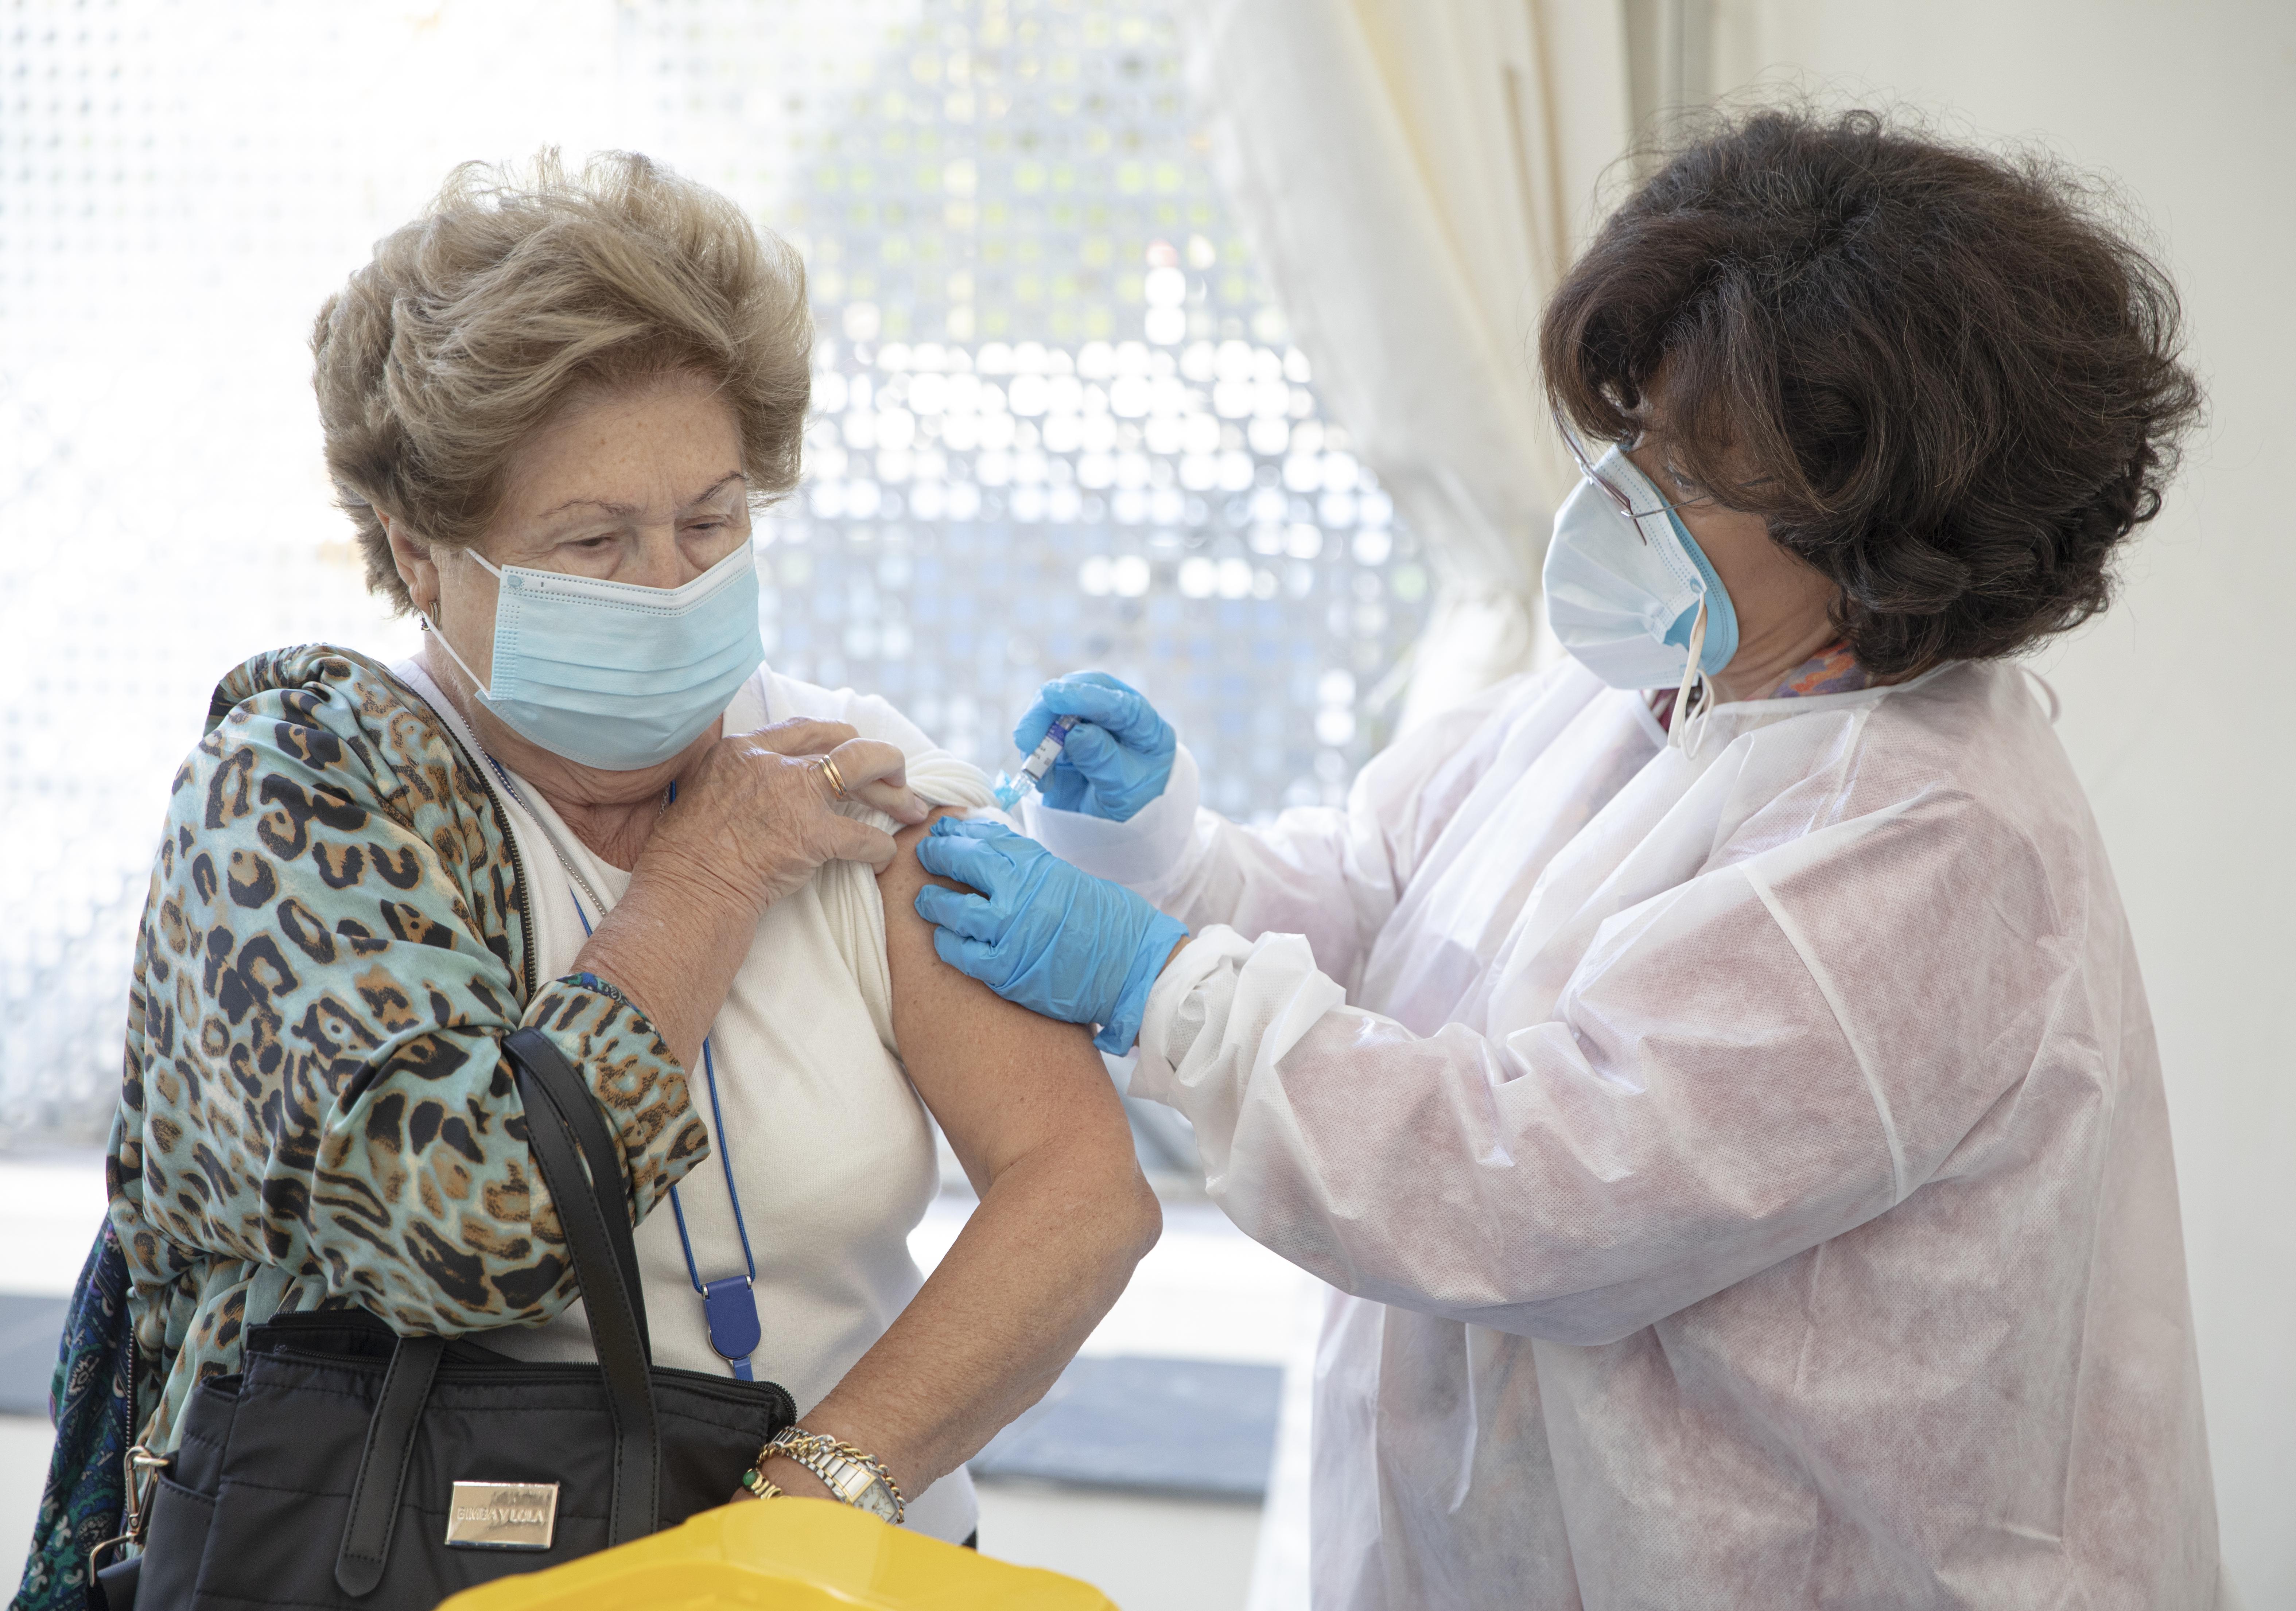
(344, 1467)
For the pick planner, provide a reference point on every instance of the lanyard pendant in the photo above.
(728, 1306)
(731, 1305)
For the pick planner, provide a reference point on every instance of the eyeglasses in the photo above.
(1608, 488)
(1618, 495)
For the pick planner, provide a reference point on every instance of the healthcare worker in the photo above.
(1713, 1072)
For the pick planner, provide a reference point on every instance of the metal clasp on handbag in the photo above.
(502, 1516)
(142, 1470)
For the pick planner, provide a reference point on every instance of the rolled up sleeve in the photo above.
(329, 961)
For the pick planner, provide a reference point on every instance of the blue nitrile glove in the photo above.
(1118, 756)
(1042, 932)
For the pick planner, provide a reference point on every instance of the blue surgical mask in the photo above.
(1622, 593)
(615, 675)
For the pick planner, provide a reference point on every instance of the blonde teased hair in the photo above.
(515, 291)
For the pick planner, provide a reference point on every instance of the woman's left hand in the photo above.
(1042, 932)
(755, 816)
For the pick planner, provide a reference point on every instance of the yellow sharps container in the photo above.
(786, 1555)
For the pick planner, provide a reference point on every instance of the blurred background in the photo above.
(1182, 338)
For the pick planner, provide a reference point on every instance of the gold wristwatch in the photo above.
(860, 1480)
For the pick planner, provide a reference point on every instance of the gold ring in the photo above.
(828, 766)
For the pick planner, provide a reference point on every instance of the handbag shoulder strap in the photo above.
(596, 1224)
(537, 1058)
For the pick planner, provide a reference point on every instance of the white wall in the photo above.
(2176, 706)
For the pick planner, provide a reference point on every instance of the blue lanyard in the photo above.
(729, 1306)
(730, 1303)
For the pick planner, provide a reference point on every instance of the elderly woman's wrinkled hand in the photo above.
(757, 815)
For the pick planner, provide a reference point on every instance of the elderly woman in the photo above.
(1714, 1071)
(550, 406)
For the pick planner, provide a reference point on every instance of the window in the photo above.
(1059, 421)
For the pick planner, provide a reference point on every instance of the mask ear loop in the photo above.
(449, 648)
(491, 569)
(2043, 683)
(1693, 680)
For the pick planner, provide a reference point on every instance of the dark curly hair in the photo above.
(1944, 379)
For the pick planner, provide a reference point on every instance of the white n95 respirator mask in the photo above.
(1623, 591)
(612, 675)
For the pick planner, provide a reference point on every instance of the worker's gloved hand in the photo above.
(1118, 756)
(1041, 933)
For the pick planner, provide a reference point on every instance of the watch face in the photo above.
(858, 1487)
(849, 1479)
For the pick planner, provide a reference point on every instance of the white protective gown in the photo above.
(1744, 1162)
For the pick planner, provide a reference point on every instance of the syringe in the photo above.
(1010, 789)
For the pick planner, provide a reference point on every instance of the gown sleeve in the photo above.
(1740, 1068)
(1330, 873)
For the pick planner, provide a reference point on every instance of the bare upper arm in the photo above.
(1000, 1079)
